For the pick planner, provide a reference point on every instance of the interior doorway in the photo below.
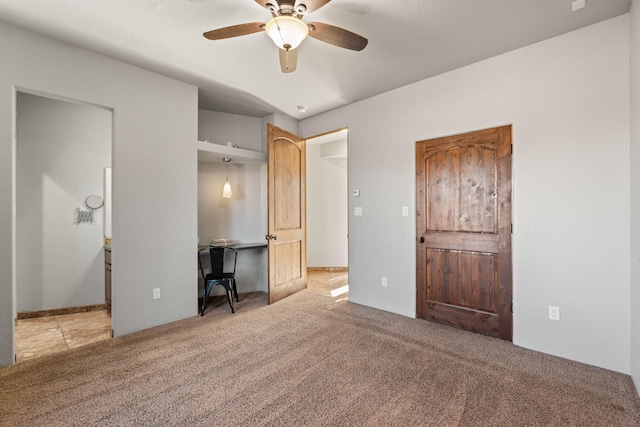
(328, 213)
(62, 150)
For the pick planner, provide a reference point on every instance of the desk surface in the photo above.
(239, 246)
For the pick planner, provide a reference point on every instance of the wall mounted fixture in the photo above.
(226, 191)
(93, 202)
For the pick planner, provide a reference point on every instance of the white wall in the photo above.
(327, 210)
(237, 218)
(635, 192)
(568, 101)
(220, 128)
(62, 150)
(154, 176)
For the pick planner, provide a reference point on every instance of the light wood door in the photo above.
(463, 197)
(287, 230)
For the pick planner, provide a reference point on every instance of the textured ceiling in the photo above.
(409, 40)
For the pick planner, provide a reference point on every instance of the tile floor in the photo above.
(330, 283)
(52, 334)
(46, 335)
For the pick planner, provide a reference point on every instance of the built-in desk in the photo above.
(237, 246)
(251, 267)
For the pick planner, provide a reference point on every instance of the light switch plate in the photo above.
(405, 211)
(357, 211)
(578, 4)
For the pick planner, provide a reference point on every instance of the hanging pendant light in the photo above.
(226, 191)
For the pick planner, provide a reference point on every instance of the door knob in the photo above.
(271, 237)
(420, 239)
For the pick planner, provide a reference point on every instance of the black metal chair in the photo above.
(232, 274)
(217, 275)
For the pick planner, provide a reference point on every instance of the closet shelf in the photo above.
(214, 153)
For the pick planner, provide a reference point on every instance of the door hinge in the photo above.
(511, 228)
(511, 148)
(511, 308)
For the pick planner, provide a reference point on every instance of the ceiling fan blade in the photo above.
(235, 31)
(288, 60)
(312, 5)
(337, 36)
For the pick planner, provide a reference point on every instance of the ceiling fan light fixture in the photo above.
(286, 32)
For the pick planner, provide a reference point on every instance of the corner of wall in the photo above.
(634, 151)
(283, 122)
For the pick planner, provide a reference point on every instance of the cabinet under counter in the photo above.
(107, 279)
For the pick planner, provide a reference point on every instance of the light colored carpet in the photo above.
(310, 360)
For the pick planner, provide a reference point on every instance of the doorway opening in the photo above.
(62, 150)
(328, 214)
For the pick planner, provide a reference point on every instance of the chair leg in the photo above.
(205, 297)
(235, 290)
(230, 298)
(227, 286)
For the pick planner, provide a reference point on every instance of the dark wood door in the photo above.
(287, 238)
(463, 204)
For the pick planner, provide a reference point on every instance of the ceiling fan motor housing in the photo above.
(272, 8)
(287, 8)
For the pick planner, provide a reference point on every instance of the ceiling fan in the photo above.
(287, 30)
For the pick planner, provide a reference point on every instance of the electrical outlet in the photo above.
(405, 211)
(384, 282)
(156, 293)
(554, 313)
(357, 211)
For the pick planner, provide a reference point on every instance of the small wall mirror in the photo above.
(94, 202)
